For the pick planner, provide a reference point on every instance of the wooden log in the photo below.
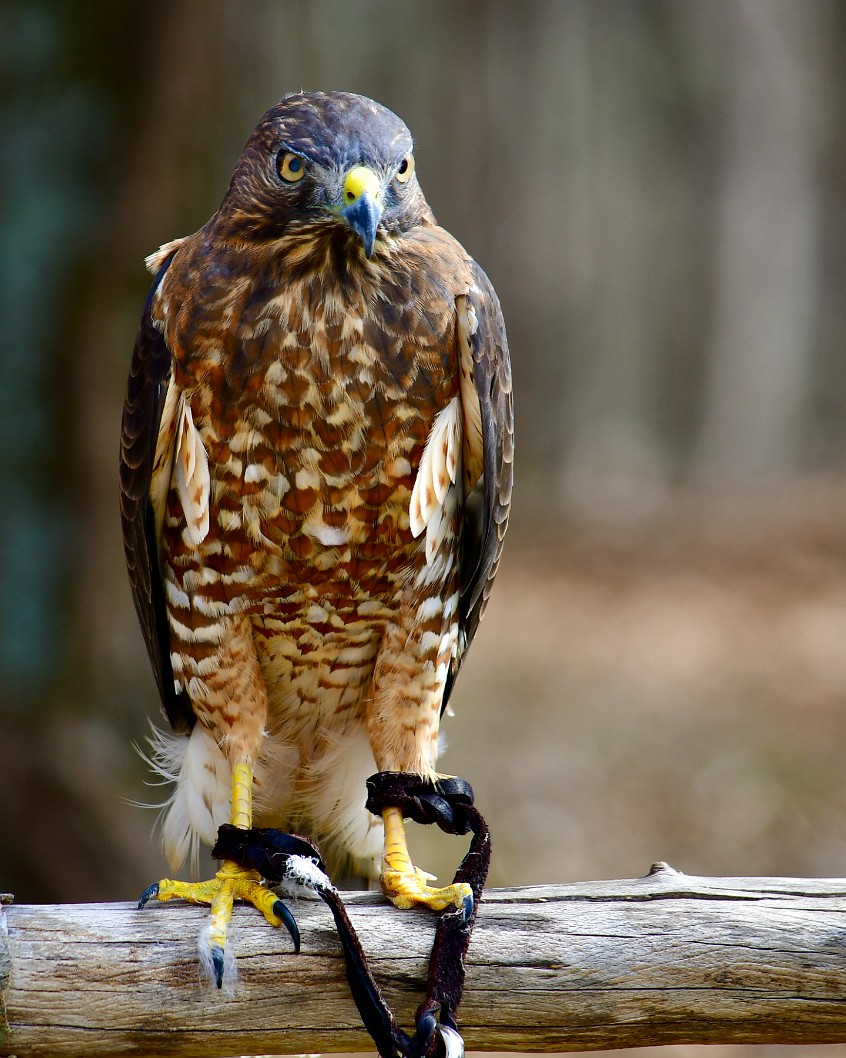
(656, 960)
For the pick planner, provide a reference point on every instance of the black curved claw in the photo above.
(217, 964)
(467, 907)
(289, 922)
(148, 894)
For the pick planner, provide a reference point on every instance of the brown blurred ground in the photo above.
(673, 690)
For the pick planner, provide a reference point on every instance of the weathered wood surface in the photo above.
(663, 959)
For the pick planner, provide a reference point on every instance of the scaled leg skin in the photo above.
(231, 883)
(403, 717)
(406, 885)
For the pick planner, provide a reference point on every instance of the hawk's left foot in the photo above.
(231, 883)
(406, 885)
(408, 888)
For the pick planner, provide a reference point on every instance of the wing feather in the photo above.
(438, 468)
(146, 460)
(192, 475)
(488, 455)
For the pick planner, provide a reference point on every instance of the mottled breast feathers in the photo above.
(305, 398)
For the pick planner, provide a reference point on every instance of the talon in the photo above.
(231, 883)
(289, 922)
(217, 964)
(148, 894)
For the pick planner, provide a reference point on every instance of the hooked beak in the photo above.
(362, 209)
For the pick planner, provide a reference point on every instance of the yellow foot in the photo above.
(231, 883)
(406, 885)
(407, 888)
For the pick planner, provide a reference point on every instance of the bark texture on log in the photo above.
(662, 959)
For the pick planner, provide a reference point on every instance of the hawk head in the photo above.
(325, 166)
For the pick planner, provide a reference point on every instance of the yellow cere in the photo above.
(359, 180)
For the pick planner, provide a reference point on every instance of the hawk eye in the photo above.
(406, 168)
(290, 167)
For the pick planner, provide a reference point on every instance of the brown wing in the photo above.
(146, 393)
(488, 504)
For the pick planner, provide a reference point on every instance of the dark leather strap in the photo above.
(449, 804)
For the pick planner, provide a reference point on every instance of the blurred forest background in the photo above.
(657, 190)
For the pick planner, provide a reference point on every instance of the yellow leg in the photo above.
(406, 885)
(232, 882)
(241, 814)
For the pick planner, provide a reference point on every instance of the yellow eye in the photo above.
(406, 168)
(290, 167)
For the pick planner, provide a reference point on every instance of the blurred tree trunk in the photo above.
(762, 341)
(614, 465)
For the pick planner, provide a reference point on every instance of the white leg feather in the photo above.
(202, 799)
(229, 983)
(334, 787)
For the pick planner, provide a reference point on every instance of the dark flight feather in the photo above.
(149, 374)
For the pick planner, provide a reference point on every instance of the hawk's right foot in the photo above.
(231, 883)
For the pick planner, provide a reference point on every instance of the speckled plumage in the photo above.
(308, 571)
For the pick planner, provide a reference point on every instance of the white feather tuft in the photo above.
(157, 258)
(229, 985)
(273, 775)
(303, 872)
(202, 798)
(192, 476)
(452, 1040)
